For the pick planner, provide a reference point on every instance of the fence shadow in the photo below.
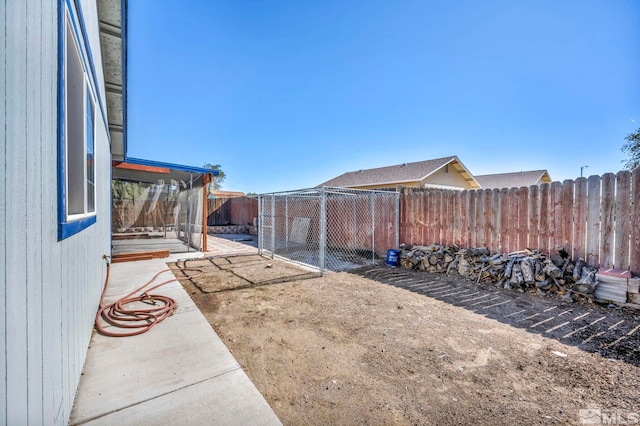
(608, 331)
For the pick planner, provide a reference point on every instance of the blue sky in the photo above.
(289, 94)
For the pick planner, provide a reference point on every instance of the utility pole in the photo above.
(582, 168)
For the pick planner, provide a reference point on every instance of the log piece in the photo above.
(523, 270)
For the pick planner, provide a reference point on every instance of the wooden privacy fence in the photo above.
(155, 214)
(126, 214)
(237, 211)
(597, 219)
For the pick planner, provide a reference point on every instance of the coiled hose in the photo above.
(138, 320)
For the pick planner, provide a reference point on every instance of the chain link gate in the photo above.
(329, 228)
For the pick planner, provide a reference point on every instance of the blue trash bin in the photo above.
(392, 257)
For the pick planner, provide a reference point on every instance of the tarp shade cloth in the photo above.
(166, 208)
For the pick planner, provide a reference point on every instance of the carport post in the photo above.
(206, 180)
(323, 229)
(190, 207)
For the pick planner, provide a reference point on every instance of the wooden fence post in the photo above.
(479, 218)
(635, 222)
(555, 206)
(608, 200)
(567, 216)
(523, 218)
(464, 220)
(458, 212)
(623, 219)
(534, 217)
(580, 218)
(495, 206)
(515, 214)
(488, 218)
(505, 223)
(472, 218)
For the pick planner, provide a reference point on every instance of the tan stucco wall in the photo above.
(453, 178)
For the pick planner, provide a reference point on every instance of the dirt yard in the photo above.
(345, 349)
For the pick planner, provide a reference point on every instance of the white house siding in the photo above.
(49, 289)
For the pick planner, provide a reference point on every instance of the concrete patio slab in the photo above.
(179, 370)
(221, 246)
(174, 245)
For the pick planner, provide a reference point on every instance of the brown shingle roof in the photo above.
(513, 180)
(407, 172)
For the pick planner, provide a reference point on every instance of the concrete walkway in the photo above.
(180, 372)
(225, 246)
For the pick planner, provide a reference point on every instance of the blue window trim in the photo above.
(69, 228)
(92, 67)
(88, 57)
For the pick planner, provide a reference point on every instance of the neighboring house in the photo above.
(446, 173)
(64, 121)
(514, 180)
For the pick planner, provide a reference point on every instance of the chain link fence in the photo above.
(329, 228)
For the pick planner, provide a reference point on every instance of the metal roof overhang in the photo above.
(139, 170)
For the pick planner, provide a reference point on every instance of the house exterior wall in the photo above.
(49, 288)
(440, 177)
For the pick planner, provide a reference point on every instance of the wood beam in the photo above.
(138, 167)
(144, 255)
(205, 213)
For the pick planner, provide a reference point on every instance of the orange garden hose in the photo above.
(139, 320)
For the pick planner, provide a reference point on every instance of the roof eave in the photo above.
(147, 171)
(179, 167)
(113, 41)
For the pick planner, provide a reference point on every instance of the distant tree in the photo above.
(216, 181)
(632, 149)
(252, 194)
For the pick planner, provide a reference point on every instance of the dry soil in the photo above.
(346, 349)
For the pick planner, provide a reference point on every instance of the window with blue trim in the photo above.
(77, 195)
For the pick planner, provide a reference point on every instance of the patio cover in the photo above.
(150, 172)
(138, 170)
